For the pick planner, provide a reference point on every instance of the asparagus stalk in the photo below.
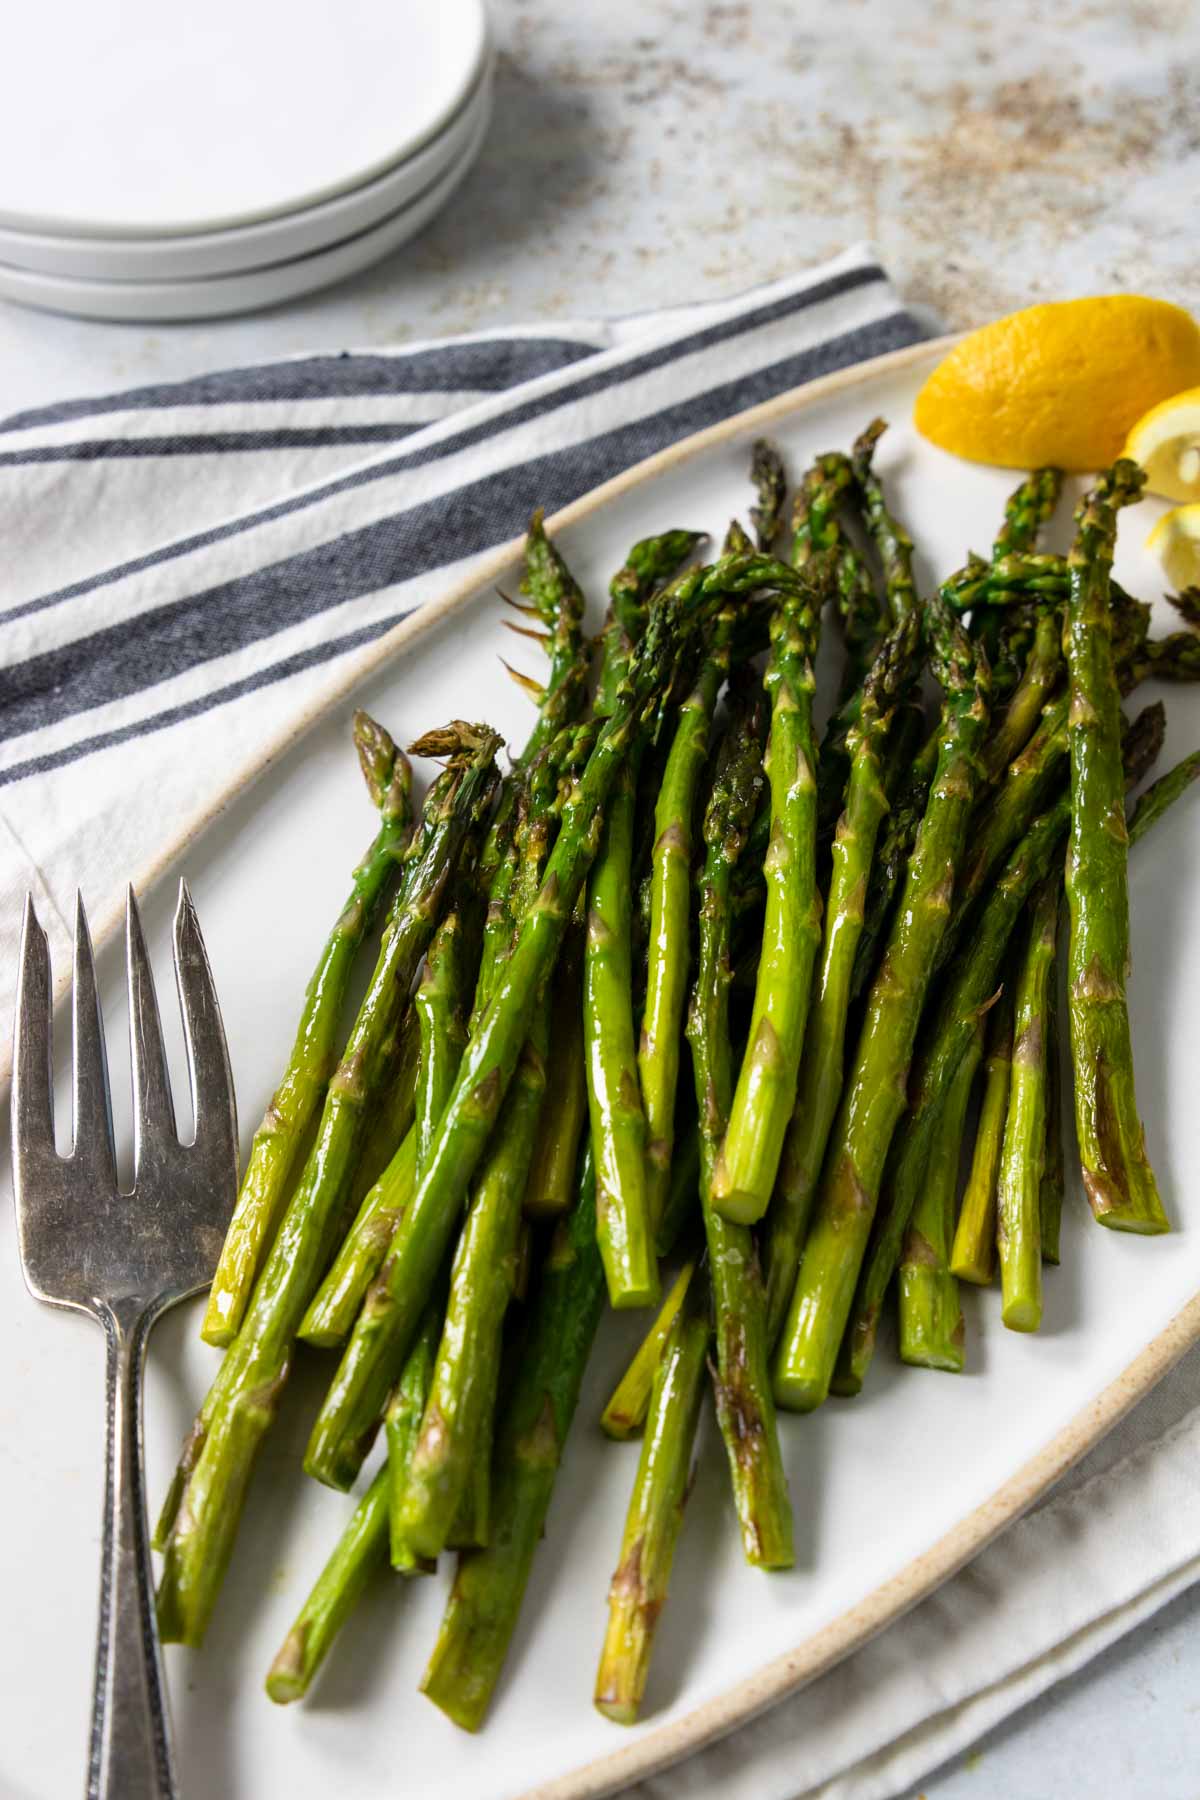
(745, 1406)
(283, 1136)
(615, 1108)
(1025, 512)
(932, 1329)
(822, 1064)
(874, 1095)
(392, 1117)
(973, 1255)
(1035, 688)
(892, 543)
(441, 1004)
(747, 1163)
(358, 1555)
(385, 1325)
(892, 856)
(1053, 1185)
(220, 1452)
(669, 948)
(402, 1424)
(489, 1584)
(334, 1306)
(618, 1120)
(626, 1411)
(551, 1183)
(1018, 1219)
(1117, 1176)
(683, 1193)
(639, 1585)
(770, 484)
(1155, 801)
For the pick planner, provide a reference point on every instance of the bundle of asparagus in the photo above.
(863, 918)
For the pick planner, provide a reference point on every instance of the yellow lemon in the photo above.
(1061, 383)
(1175, 541)
(1166, 441)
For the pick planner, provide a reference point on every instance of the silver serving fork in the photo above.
(123, 1258)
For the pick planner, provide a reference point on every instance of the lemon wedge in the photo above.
(1166, 441)
(1061, 383)
(1175, 541)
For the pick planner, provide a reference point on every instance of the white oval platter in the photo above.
(892, 1491)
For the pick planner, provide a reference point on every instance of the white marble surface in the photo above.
(650, 150)
(647, 150)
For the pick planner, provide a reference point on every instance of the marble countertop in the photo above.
(646, 151)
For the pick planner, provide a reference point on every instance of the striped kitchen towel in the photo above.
(190, 570)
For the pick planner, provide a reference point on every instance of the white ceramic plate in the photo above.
(218, 296)
(260, 245)
(134, 117)
(891, 1491)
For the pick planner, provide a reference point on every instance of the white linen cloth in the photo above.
(189, 567)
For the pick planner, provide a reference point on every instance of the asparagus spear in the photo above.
(558, 602)
(442, 1001)
(618, 1120)
(748, 1160)
(892, 856)
(973, 1255)
(1026, 511)
(626, 1411)
(770, 484)
(1018, 1217)
(822, 1064)
(280, 1140)
(220, 1453)
(891, 541)
(1117, 1176)
(551, 1182)
(683, 1193)
(873, 1098)
(348, 1418)
(669, 947)
(402, 1424)
(1036, 686)
(359, 1553)
(1155, 801)
(639, 1584)
(1052, 1189)
(932, 1330)
(489, 1584)
(334, 1306)
(1186, 604)
(745, 1407)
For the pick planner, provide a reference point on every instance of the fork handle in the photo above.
(130, 1756)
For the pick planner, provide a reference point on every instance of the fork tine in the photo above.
(32, 1082)
(93, 1127)
(213, 1105)
(154, 1115)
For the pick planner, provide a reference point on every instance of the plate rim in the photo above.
(815, 1654)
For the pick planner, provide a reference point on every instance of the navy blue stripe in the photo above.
(540, 406)
(165, 642)
(489, 366)
(214, 443)
(192, 709)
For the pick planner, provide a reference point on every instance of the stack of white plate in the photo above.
(184, 162)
